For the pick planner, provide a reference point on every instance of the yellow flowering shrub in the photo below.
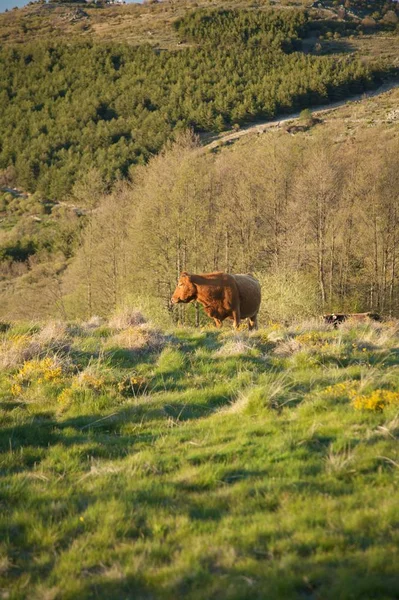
(316, 341)
(66, 396)
(130, 386)
(311, 338)
(91, 381)
(83, 382)
(376, 400)
(46, 369)
(338, 390)
(16, 389)
(36, 371)
(20, 339)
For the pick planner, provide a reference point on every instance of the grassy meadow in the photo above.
(198, 464)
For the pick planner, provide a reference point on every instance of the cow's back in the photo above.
(250, 294)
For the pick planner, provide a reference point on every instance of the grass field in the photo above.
(199, 464)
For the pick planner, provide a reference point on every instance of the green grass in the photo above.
(232, 466)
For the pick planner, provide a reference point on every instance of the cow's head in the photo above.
(185, 291)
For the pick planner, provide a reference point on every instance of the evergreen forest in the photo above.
(69, 107)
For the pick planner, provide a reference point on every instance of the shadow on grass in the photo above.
(10, 405)
(122, 358)
(235, 475)
(220, 366)
(339, 46)
(391, 359)
(306, 577)
(185, 411)
(209, 340)
(103, 433)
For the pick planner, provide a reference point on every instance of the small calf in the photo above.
(335, 319)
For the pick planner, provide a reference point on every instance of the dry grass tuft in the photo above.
(139, 338)
(380, 335)
(339, 463)
(288, 347)
(127, 318)
(235, 347)
(5, 564)
(15, 350)
(94, 322)
(238, 405)
(90, 378)
(315, 324)
(390, 429)
(276, 335)
(44, 593)
(52, 339)
(54, 334)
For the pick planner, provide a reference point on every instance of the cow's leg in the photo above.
(253, 322)
(218, 323)
(236, 318)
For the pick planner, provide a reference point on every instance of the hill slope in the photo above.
(39, 240)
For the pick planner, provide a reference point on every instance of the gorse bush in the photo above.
(376, 400)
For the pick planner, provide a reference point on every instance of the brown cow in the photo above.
(223, 296)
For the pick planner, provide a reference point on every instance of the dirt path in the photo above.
(227, 137)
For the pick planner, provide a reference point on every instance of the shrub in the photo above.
(340, 390)
(235, 347)
(17, 349)
(47, 370)
(288, 296)
(133, 385)
(376, 400)
(305, 116)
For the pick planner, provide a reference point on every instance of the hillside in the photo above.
(145, 464)
(56, 257)
(73, 105)
(151, 23)
(344, 118)
(144, 454)
(118, 91)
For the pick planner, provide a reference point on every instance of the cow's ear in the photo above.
(186, 275)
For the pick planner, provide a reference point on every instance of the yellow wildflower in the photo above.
(92, 381)
(376, 400)
(337, 390)
(16, 389)
(65, 396)
(132, 385)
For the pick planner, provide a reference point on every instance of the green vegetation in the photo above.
(198, 464)
(148, 461)
(271, 30)
(37, 240)
(301, 212)
(70, 107)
